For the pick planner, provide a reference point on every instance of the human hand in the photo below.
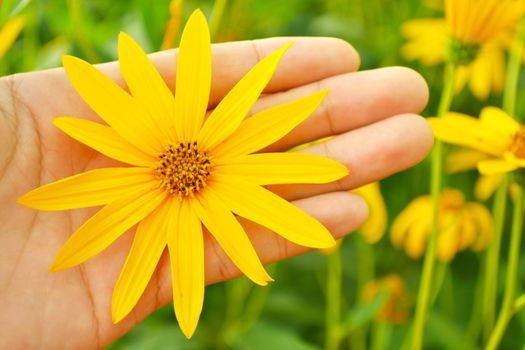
(368, 111)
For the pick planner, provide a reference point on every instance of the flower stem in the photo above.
(380, 335)
(507, 308)
(333, 300)
(492, 260)
(513, 73)
(216, 16)
(77, 13)
(435, 189)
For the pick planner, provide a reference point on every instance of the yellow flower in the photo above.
(9, 32)
(497, 141)
(476, 22)
(375, 226)
(461, 224)
(428, 42)
(184, 171)
(396, 308)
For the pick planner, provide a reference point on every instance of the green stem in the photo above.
(439, 278)
(333, 300)
(435, 189)
(366, 272)
(513, 73)
(380, 335)
(216, 17)
(507, 309)
(491, 279)
(76, 12)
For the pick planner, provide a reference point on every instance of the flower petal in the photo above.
(495, 166)
(193, 77)
(466, 131)
(230, 112)
(146, 85)
(186, 247)
(231, 236)
(89, 189)
(375, 226)
(148, 244)
(106, 226)
(259, 205)
(496, 119)
(487, 185)
(283, 168)
(112, 104)
(264, 128)
(104, 139)
(464, 159)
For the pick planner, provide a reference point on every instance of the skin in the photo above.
(371, 113)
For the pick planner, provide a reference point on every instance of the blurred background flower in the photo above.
(462, 224)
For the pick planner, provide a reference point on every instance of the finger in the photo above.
(340, 212)
(354, 100)
(308, 60)
(370, 153)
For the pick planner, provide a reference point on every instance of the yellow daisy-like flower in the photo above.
(397, 306)
(185, 171)
(496, 141)
(428, 42)
(461, 224)
(476, 22)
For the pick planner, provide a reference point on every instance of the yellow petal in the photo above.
(375, 226)
(466, 131)
(230, 235)
(495, 166)
(104, 139)
(259, 205)
(283, 168)
(230, 112)
(464, 159)
(497, 120)
(264, 128)
(466, 232)
(89, 189)
(113, 104)
(421, 206)
(487, 185)
(146, 85)
(108, 224)
(483, 219)
(9, 32)
(417, 236)
(148, 244)
(193, 83)
(186, 247)
(447, 244)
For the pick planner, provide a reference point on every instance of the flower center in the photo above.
(517, 146)
(183, 169)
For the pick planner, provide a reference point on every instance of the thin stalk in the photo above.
(507, 309)
(490, 283)
(366, 272)
(513, 73)
(76, 12)
(380, 335)
(216, 17)
(333, 300)
(435, 190)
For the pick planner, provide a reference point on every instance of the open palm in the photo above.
(368, 112)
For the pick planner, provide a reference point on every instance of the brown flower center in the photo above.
(517, 146)
(183, 169)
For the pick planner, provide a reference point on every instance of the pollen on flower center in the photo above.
(183, 169)
(517, 146)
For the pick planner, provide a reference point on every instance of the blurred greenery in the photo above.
(290, 314)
